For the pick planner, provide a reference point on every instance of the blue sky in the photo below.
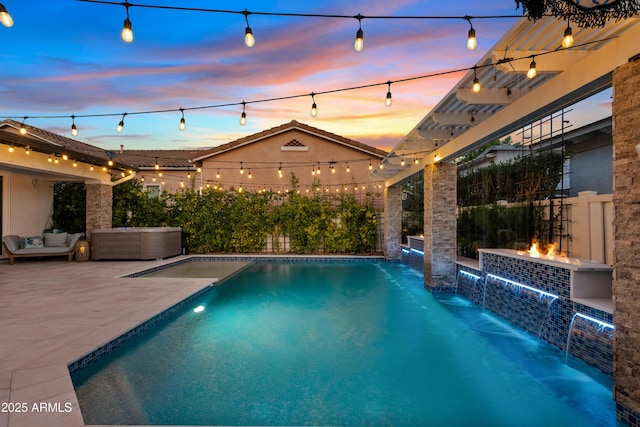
(66, 57)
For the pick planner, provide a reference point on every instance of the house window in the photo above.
(153, 190)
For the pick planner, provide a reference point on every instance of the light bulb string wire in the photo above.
(246, 12)
(312, 94)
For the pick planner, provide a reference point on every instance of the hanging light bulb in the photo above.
(218, 174)
(249, 176)
(183, 123)
(74, 129)
(243, 116)
(314, 107)
(127, 30)
(241, 169)
(27, 149)
(65, 157)
(249, 40)
(348, 168)
(280, 170)
(472, 42)
(370, 166)
(388, 101)
(567, 39)
(416, 161)
(5, 18)
(318, 170)
(476, 82)
(23, 129)
(532, 68)
(121, 124)
(402, 162)
(381, 165)
(50, 160)
(358, 45)
(157, 166)
(110, 162)
(11, 149)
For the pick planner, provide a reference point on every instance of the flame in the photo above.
(550, 251)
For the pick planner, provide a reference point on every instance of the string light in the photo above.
(531, 73)
(567, 38)
(127, 29)
(218, 174)
(65, 157)
(348, 168)
(241, 169)
(249, 176)
(157, 166)
(243, 116)
(249, 40)
(314, 110)
(476, 83)
(314, 107)
(121, 124)
(416, 161)
(74, 128)
(183, 123)
(402, 162)
(358, 45)
(75, 164)
(5, 18)
(318, 170)
(388, 101)
(472, 42)
(27, 149)
(23, 129)
(50, 160)
(11, 148)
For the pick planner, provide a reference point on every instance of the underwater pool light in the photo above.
(199, 309)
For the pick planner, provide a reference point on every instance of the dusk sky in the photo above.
(66, 57)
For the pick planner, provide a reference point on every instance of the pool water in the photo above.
(339, 344)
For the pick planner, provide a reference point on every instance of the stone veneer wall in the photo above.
(440, 200)
(626, 232)
(99, 207)
(393, 222)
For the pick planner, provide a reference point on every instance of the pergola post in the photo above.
(440, 227)
(626, 229)
(393, 223)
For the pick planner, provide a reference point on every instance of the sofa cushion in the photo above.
(13, 242)
(43, 250)
(33, 242)
(55, 239)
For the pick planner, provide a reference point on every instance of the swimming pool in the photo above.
(338, 344)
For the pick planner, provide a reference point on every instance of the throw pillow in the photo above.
(55, 239)
(33, 242)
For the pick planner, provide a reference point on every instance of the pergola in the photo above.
(508, 100)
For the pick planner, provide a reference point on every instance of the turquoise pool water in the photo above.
(339, 344)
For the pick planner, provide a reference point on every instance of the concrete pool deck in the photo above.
(53, 312)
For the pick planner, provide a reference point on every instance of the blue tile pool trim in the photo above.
(589, 345)
(627, 416)
(107, 348)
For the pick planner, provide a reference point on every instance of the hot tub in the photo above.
(137, 243)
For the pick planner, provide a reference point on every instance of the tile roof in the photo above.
(167, 159)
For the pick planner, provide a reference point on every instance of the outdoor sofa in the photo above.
(49, 244)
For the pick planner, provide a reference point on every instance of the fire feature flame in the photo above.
(550, 252)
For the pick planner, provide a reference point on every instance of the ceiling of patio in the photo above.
(508, 100)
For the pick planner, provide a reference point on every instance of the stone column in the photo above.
(440, 200)
(393, 223)
(626, 233)
(99, 207)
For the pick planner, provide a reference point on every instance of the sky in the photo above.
(67, 58)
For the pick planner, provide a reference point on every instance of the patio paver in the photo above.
(52, 312)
